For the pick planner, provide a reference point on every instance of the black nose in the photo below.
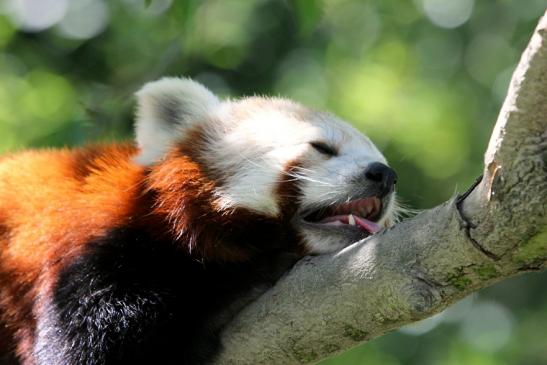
(383, 176)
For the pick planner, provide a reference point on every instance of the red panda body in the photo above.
(70, 214)
(123, 254)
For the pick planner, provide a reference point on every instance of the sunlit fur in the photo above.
(223, 183)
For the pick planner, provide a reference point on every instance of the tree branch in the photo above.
(329, 303)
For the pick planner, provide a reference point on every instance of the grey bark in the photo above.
(327, 304)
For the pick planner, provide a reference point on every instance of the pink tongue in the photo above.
(362, 223)
(367, 225)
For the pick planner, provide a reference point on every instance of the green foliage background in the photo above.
(425, 89)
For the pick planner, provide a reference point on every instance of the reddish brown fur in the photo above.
(53, 203)
(186, 190)
(48, 211)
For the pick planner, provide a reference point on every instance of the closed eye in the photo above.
(324, 148)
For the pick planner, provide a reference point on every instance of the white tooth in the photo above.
(351, 220)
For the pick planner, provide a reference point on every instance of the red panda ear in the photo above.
(166, 108)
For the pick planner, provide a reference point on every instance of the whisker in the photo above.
(402, 211)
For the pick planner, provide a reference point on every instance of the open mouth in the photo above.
(361, 214)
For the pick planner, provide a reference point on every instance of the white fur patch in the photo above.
(166, 108)
(253, 152)
(320, 243)
(261, 136)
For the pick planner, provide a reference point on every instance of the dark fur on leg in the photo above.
(134, 300)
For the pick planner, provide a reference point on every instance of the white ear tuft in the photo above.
(166, 108)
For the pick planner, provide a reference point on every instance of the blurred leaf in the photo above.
(308, 13)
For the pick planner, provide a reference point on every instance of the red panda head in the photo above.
(238, 164)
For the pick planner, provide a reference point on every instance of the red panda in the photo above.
(141, 253)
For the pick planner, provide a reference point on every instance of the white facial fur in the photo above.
(251, 141)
